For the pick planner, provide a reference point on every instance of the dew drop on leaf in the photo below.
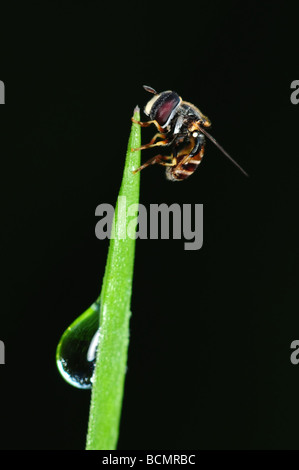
(76, 350)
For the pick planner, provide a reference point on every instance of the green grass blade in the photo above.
(110, 369)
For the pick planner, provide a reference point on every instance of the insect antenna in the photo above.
(223, 151)
(150, 89)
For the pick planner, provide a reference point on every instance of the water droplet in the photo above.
(76, 350)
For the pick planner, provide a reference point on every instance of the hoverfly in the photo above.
(182, 128)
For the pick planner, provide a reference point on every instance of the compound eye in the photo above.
(164, 107)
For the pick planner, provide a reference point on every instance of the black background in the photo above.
(209, 357)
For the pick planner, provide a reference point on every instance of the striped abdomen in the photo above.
(181, 172)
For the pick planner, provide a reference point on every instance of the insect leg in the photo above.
(160, 159)
(148, 123)
(150, 145)
(157, 136)
(165, 163)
